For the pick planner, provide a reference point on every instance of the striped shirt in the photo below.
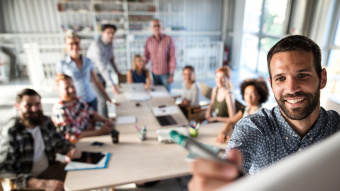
(161, 53)
(102, 56)
(72, 118)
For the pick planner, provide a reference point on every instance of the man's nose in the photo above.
(292, 85)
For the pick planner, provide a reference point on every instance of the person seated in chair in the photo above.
(254, 92)
(222, 104)
(73, 117)
(190, 96)
(29, 143)
(138, 73)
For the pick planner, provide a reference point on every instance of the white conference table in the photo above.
(133, 160)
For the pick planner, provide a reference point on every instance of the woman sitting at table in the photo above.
(138, 73)
(254, 92)
(81, 69)
(222, 104)
(190, 96)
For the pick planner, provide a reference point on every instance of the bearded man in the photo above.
(296, 78)
(29, 143)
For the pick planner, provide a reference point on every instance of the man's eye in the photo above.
(302, 75)
(280, 79)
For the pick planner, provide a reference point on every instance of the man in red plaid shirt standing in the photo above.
(160, 49)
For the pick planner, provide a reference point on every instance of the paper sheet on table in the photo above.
(137, 96)
(167, 110)
(158, 94)
(164, 134)
(126, 120)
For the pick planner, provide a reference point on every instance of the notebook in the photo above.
(166, 120)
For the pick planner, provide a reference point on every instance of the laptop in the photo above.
(166, 120)
(132, 88)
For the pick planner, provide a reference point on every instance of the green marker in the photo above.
(198, 150)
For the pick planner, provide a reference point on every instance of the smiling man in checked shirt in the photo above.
(160, 50)
(263, 138)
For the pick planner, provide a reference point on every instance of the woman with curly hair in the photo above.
(254, 92)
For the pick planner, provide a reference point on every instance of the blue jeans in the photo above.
(162, 80)
(93, 104)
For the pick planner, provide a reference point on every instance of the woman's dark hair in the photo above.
(260, 86)
(189, 67)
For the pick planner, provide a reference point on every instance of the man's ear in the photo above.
(17, 105)
(270, 82)
(323, 79)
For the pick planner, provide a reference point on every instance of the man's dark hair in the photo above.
(260, 86)
(297, 43)
(105, 26)
(189, 67)
(26, 92)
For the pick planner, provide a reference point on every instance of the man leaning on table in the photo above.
(160, 50)
(101, 52)
(261, 139)
(73, 117)
(29, 143)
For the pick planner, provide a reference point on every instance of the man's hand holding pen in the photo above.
(211, 175)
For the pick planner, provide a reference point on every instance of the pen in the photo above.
(136, 127)
(198, 150)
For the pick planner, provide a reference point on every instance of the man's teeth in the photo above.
(294, 101)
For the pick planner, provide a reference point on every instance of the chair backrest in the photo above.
(122, 79)
(205, 90)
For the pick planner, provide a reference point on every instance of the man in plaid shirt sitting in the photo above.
(72, 115)
(29, 143)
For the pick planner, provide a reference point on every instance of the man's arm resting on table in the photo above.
(48, 185)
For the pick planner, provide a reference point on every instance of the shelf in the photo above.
(141, 13)
(111, 13)
(75, 13)
(108, 2)
(138, 3)
(74, 2)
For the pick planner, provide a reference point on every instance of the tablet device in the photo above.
(89, 157)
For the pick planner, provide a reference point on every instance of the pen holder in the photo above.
(193, 132)
(142, 135)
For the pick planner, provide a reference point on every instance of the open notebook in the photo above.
(89, 160)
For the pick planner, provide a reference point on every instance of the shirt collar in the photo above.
(69, 60)
(161, 35)
(287, 131)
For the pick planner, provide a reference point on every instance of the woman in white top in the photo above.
(190, 96)
(254, 92)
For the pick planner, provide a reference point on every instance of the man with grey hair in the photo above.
(160, 50)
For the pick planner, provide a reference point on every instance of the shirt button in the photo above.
(311, 139)
(300, 149)
(295, 135)
(287, 138)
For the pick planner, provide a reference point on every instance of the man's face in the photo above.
(295, 83)
(107, 35)
(66, 90)
(156, 27)
(30, 110)
(72, 45)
